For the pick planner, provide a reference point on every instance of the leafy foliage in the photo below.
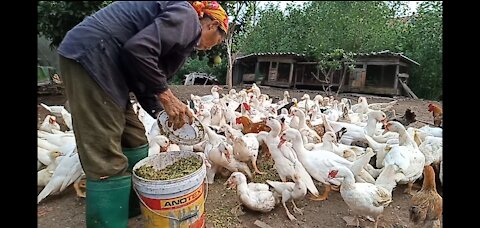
(55, 19)
(328, 63)
(324, 26)
(424, 45)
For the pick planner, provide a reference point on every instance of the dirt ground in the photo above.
(66, 210)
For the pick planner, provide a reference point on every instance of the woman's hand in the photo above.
(176, 110)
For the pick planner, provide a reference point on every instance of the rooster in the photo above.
(426, 204)
(437, 113)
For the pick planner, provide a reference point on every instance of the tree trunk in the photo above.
(342, 80)
(230, 64)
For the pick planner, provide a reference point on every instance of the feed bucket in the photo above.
(172, 203)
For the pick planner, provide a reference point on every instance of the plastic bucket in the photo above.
(178, 203)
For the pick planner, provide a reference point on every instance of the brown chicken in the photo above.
(437, 114)
(319, 128)
(426, 204)
(251, 127)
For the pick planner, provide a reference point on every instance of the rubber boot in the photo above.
(107, 202)
(134, 155)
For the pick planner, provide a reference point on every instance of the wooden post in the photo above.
(257, 70)
(395, 83)
(290, 76)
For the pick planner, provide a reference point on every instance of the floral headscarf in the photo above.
(213, 10)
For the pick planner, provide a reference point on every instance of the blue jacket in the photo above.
(134, 46)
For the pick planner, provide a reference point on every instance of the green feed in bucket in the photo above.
(180, 168)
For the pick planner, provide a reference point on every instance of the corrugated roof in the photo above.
(380, 53)
(387, 53)
(272, 54)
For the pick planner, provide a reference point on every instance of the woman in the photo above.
(128, 47)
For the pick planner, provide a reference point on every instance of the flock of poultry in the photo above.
(362, 150)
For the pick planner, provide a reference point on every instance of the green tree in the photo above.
(55, 19)
(425, 45)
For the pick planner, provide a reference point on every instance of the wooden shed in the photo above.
(384, 73)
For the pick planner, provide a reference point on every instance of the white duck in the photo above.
(49, 123)
(290, 191)
(318, 162)
(285, 158)
(255, 197)
(355, 132)
(57, 139)
(220, 154)
(361, 106)
(214, 94)
(245, 148)
(44, 156)
(147, 121)
(44, 175)
(204, 116)
(381, 149)
(284, 101)
(329, 143)
(407, 159)
(230, 133)
(161, 143)
(305, 102)
(217, 117)
(68, 171)
(365, 198)
(432, 148)
(434, 131)
(60, 111)
(42, 143)
(312, 135)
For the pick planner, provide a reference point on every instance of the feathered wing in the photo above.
(358, 164)
(386, 179)
(257, 186)
(68, 170)
(281, 186)
(306, 178)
